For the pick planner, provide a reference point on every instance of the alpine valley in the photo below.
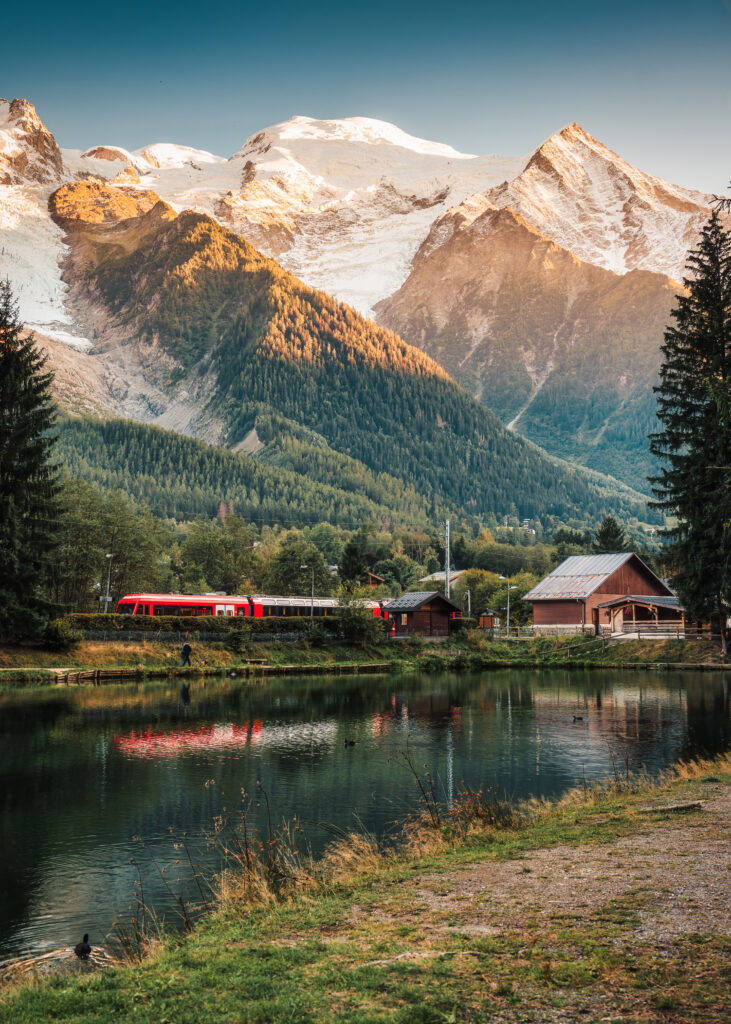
(250, 304)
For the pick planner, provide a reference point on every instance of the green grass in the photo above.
(27, 665)
(332, 949)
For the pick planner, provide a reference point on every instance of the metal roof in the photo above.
(580, 575)
(440, 576)
(661, 602)
(415, 599)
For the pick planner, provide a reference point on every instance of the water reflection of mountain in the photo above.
(84, 771)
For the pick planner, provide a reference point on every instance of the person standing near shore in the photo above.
(185, 652)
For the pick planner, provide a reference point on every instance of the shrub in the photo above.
(317, 635)
(237, 640)
(59, 635)
(463, 625)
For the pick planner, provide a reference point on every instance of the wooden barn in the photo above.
(581, 593)
(422, 613)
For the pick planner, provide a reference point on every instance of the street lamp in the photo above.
(312, 592)
(508, 607)
(107, 598)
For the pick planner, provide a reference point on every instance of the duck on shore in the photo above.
(83, 949)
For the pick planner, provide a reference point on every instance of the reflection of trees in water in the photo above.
(709, 716)
(69, 789)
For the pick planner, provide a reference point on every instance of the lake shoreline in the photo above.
(587, 905)
(100, 661)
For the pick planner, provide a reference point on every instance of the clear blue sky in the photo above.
(652, 80)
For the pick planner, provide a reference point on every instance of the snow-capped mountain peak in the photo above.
(585, 197)
(360, 130)
(166, 155)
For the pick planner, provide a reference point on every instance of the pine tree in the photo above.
(352, 565)
(28, 479)
(694, 403)
(609, 538)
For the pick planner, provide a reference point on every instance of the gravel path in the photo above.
(682, 873)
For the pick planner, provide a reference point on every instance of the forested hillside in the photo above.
(199, 303)
(182, 478)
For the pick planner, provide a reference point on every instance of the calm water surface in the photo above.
(93, 778)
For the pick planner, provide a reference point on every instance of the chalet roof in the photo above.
(580, 575)
(413, 600)
(660, 602)
(440, 576)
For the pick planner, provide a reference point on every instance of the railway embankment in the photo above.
(607, 904)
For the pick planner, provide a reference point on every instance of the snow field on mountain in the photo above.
(31, 251)
(346, 204)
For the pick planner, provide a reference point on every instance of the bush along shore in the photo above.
(607, 904)
(295, 644)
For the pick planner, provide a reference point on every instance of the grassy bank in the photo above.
(597, 907)
(475, 651)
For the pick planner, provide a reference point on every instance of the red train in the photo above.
(257, 606)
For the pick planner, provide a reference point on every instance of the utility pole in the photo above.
(312, 591)
(107, 598)
(446, 559)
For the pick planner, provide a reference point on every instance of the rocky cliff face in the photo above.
(28, 151)
(558, 347)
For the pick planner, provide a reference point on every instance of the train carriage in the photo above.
(256, 606)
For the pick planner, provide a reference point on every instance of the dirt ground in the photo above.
(631, 930)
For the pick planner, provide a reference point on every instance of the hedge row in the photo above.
(223, 624)
(463, 624)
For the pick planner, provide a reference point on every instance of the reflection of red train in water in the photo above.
(194, 739)
(255, 606)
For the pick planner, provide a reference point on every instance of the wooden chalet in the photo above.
(422, 613)
(373, 581)
(585, 591)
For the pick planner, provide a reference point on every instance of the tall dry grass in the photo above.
(276, 865)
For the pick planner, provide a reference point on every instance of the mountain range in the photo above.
(541, 284)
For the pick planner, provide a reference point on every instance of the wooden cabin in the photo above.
(488, 619)
(373, 581)
(422, 613)
(580, 594)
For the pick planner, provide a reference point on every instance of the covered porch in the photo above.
(637, 613)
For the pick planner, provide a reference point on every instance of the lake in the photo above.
(92, 778)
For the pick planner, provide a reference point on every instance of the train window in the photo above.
(241, 609)
(125, 609)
